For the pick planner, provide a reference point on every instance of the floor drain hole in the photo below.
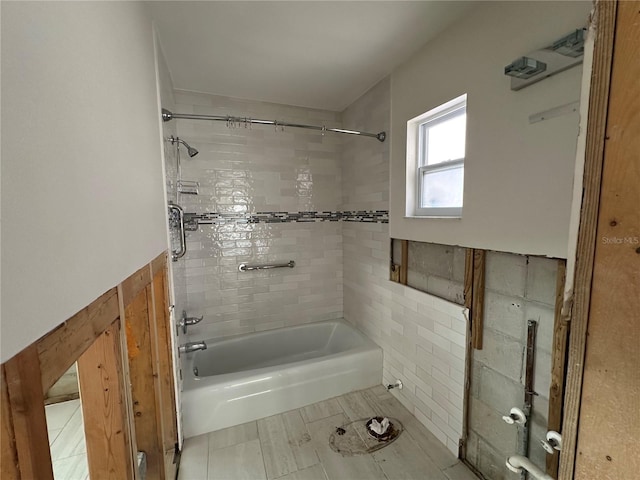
(355, 438)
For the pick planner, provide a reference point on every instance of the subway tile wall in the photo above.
(244, 170)
(423, 337)
(252, 177)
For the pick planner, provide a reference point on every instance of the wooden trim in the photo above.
(394, 268)
(468, 365)
(468, 277)
(141, 339)
(609, 420)
(104, 407)
(61, 347)
(26, 376)
(558, 366)
(27, 411)
(477, 302)
(8, 453)
(604, 19)
(404, 269)
(165, 364)
(134, 284)
(158, 264)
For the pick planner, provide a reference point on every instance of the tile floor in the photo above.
(295, 446)
(66, 440)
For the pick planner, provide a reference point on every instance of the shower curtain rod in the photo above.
(167, 115)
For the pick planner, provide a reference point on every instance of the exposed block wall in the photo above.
(518, 288)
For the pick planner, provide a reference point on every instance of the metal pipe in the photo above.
(523, 432)
(243, 267)
(167, 115)
(518, 463)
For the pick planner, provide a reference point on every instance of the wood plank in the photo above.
(604, 18)
(155, 365)
(134, 284)
(158, 264)
(60, 348)
(128, 398)
(26, 398)
(404, 268)
(468, 277)
(477, 303)
(394, 268)
(140, 328)
(468, 365)
(104, 408)
(609, 421)
(468, 303)
(165, 361)
(558, 366)
(8, 454)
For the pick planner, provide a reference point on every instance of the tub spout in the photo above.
(192, 347)
(517, 463)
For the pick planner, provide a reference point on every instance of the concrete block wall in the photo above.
(437, 269)
(250, 169)
(518, 288)
(422, 336)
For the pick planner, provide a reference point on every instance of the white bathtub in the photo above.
(246, 377)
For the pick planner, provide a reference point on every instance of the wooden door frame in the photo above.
(96, 338)
(614, 33)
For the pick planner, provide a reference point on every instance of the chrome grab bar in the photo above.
(243, 267)
(176, 254)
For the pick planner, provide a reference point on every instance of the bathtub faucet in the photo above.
(192, 347)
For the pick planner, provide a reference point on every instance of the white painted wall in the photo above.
(82, 185)
(518, 177)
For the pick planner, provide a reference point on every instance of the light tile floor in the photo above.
(295, 446)
(66, 441)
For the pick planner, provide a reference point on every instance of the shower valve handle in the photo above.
(192, 320)
(188, 321)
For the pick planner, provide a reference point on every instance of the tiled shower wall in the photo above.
(423, 337)
(244, 170)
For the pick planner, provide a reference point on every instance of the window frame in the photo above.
(421, 126)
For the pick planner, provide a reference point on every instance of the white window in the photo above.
(435, 160)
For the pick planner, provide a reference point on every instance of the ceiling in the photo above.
(313, 54)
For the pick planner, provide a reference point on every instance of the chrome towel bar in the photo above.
(243, 267)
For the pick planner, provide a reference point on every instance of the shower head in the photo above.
(190, 150)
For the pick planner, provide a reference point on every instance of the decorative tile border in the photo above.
(192, 220)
